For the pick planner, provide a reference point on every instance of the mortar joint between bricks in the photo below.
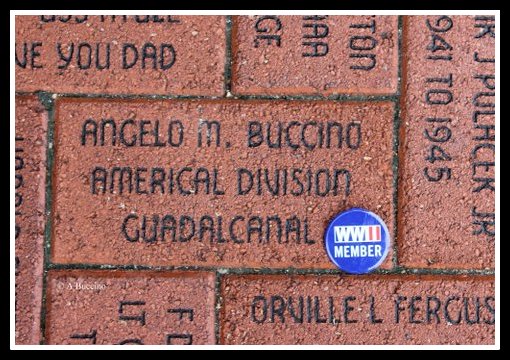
(218, 303)
(48, 101)
(223, 271)
(158, 97)
(228, 56)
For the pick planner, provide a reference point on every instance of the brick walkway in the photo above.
(175, 176)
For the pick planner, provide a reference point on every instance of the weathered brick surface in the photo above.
(181, 55)
(447, 145)
(227, 217)
(262, 309)
(87, 307)
(30, 180)
(303, 55)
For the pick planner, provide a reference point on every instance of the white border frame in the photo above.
(13, 13)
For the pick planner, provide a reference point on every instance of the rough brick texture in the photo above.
(30, 180)
(195, 163)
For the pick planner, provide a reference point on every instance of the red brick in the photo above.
(31, 127)
(142, 307)
(261, 66)
(251, 310)
(436, 223)
(198, 43)
(88, 227)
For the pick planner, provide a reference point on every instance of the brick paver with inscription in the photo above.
(260, 309)
(448, 143)
(30, 188)
(87, 307)
(164, 193)
(327, 55)
(181, 55)
(175, 177)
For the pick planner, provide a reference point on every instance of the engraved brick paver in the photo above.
(448, 145)
(240, 199)
(130, 308)
(357, 310)
(97, 54)
(30, 180)
(314, 55)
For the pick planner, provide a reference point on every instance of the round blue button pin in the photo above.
(357, 241)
